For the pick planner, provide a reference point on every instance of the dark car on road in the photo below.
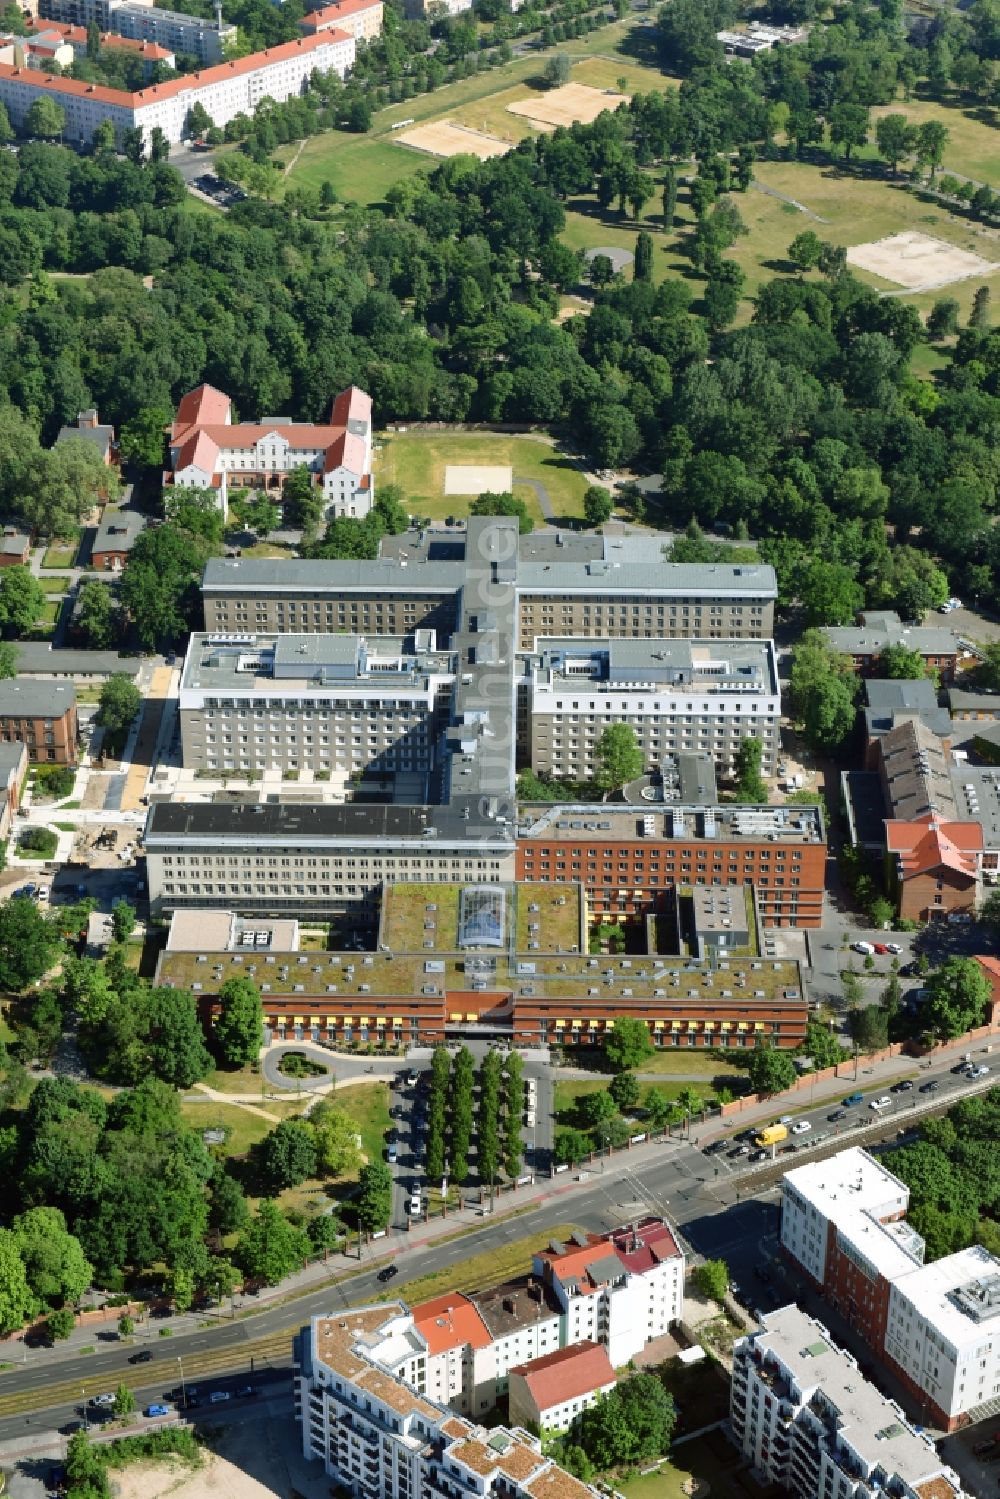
(142, 1357)
(930, 1087)
(903, 1086)
(388, 1272)
(837, 1115)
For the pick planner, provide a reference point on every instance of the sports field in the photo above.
(573, 103)
(445, 138)
(418, 462)
(917, 261)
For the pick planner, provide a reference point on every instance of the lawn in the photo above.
(60, 554)
(267, 549)
(499, 1264)
(709, 1458)
(368, 1106)
(972, 148)
(405, 918)
(558, 924)
(246, 1128)
(49, 612)
(54, 585)
(569, 1093)
(416, 461)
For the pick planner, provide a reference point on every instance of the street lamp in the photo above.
(180, 1365)
(86, 1418)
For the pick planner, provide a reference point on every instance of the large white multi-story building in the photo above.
(620, 1289)
(937, 1326)
(143, 21)
(677, 695)
(209, 451)
(361, 19)
(360, 1396)
(224, 91)
(802, 1412)
(313, 702)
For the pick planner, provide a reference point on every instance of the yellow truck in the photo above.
(771, 1135)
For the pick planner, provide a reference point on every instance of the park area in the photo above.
(419, 462)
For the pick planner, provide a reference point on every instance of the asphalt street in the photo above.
(722, 1207)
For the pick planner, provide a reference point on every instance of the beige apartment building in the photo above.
(323, 703)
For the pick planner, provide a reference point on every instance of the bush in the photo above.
(41, 841)
(54, 781)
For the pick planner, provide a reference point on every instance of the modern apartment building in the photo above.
(209, 451)
(808, 1420)
(42, 716)
(680, 696)
(621, 1289)
(628, 858)
(224, 90)
(314, 702)
(562, 590)
(141, 20)
(361, 1400)
(936, 1326)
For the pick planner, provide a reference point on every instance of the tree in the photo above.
(942, 320)
(122, 920)
(143, 437)
(175, 1043)
(658, 1108)
(557, 70)
(957, 1000)
(848, 126)
(126, 1326)
(8, 664)
(59, 1324)
(598, 506)
(979, 317)
(228, 1211)
(374, 1200)
(869, 1028)
(633, 1422)
(822, 692)
(56, 1268)
(287, 1155)
(669, 198)
(750, 785)
(159, 586)
(595, 1108)
(895, 138)
(270, 1247)
(627, 1043)
(899, 663)
(619, 757)
(197, 511)
(29, 944)
(572, 1146)
(504, 504)
(302, 501)
(602, 270)
(22, 600)
(830, 593)
(642, 268)
(712, 1279)
(124, 1401)
(336, 1136)
(259, 514)
(45, 118)
(198, 120)
(932, 138)
(239, 1027)
(103, 141)
(95, 615)
(805, 250)
(16, 1301)
(624, 1090)
(989, 911)
(822, 1046)
(769, 1070)
(180, 1288)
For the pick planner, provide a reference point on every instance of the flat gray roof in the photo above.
(284, 575)
(21, 697)
(978, 702)
(309, 823)
(36, 656)
(659, 579)
(118, 530)
(872, 637)
(574, 823)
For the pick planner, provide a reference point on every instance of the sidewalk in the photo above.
(544, 1189)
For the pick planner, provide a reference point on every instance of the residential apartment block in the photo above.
(936, 1326)
(224, 90)
(807, 1419)
(627, 858)
(681, 696)
(621, 1289)
(549, 1393)
(361, 1400)
(566, 586)
(142, 21)
(881, 628)
(209, 451)
(60, 42)
(317, 702)
(361, 19)
(41, 716)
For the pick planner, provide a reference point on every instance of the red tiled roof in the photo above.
(929, 843)
(351, 405)
(566, 1374)
(347, 451)
(451, 1321)
(200, 450)
(191, 82)
(202, 405)
(339, 8)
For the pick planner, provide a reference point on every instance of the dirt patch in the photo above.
(917, 261)
(445, 138)
(478, 478)
(217, 1478)
(574, 102)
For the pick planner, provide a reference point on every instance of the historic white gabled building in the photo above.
(209, 451)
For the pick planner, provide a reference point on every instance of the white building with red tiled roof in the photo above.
(209, 451)
(549, 1393)
(361, 19)
(621, 1289)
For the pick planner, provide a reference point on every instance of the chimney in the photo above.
(87, 420)
(508, 1304)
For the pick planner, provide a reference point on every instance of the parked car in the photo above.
(981, 1071)
(802, 1128)
(894, 948)
(391, 1153)
(737, 1151)
(103, 1402)
(157, 1410)
(959, 918)
(864, 948)
(881, 949)
(878, 1104)
(246, 1392)
(785, 1118)
(903, 1086)
(760, 1155)
(416, 1204)
(218, 1397)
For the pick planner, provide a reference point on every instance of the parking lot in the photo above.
(222, 194)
